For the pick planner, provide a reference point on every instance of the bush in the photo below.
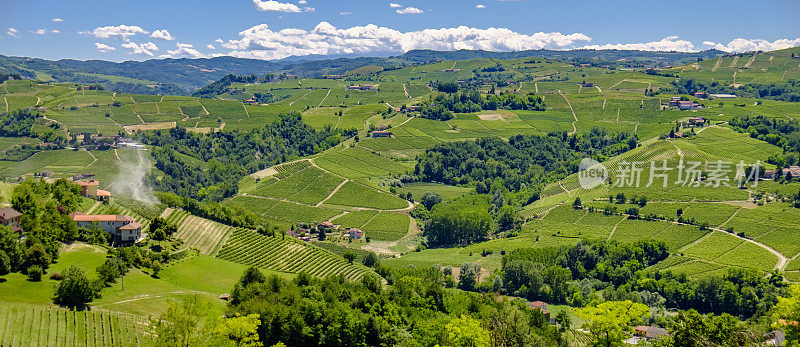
(75, 290)
(35, 273)
(370, 260)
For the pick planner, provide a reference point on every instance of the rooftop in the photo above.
(100, 218)
(7, 213)
(130, 226)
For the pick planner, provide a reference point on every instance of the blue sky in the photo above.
(270, 29)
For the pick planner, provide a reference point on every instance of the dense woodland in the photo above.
(441, 106)
(524, 161)
(414, 311)
(582, 274)
(45, 208)
(781, 133)
(209, 166)
(788, 91)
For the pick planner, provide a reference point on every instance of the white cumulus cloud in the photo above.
(122, 32)
(745, 45)
(261, 42)
(393, 5)
(59, 20)
(409, 10)
(55, 31)
(210, 46)
(185, 49)
(102, 47)
(162, 34)
(140, 48)
(667, 44)
(39, 32)
(272, 5)
(12, 32)
(480, 6)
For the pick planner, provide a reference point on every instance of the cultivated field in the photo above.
(205, 235)
(36, 325)
(285, 254)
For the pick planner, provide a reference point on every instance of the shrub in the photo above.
(35, 273)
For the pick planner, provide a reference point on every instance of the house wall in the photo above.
(13, 222)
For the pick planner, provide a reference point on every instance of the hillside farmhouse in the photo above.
(123, 229)
(381, 133)
(540, 305)
(90, 189)
(363, 87)
(354, 233)
(10, 218)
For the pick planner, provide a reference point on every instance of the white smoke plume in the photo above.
(131, 180)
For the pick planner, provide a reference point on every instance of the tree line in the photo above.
(787, 91)
(441, 106)
(784, 133)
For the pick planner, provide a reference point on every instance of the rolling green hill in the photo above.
(354, 179)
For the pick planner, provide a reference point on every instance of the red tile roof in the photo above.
(101, 218)
(88, 183)
(537, 304)
(130, 226)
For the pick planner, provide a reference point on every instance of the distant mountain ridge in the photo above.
(185, 75)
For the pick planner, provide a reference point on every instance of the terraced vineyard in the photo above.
(32, 325)
(205, 235)
(286, 254)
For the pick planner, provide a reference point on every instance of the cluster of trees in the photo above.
(222, 85)
(216, 162)
(787, 91)
(75, 289)
(6, 76)
(442, 105)
(524, 161)
(464, 221)
(17, 123)
(45, 218)
(20, 123)
(334, 312)
(546, 273)
(583, 274)
(266, 98)
(779, 132)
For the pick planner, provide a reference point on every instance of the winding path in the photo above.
(574, 128)
(333, 192)
(405, 90)
(323, 99)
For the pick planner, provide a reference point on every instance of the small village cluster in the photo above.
(686, 105)
(304, 232)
